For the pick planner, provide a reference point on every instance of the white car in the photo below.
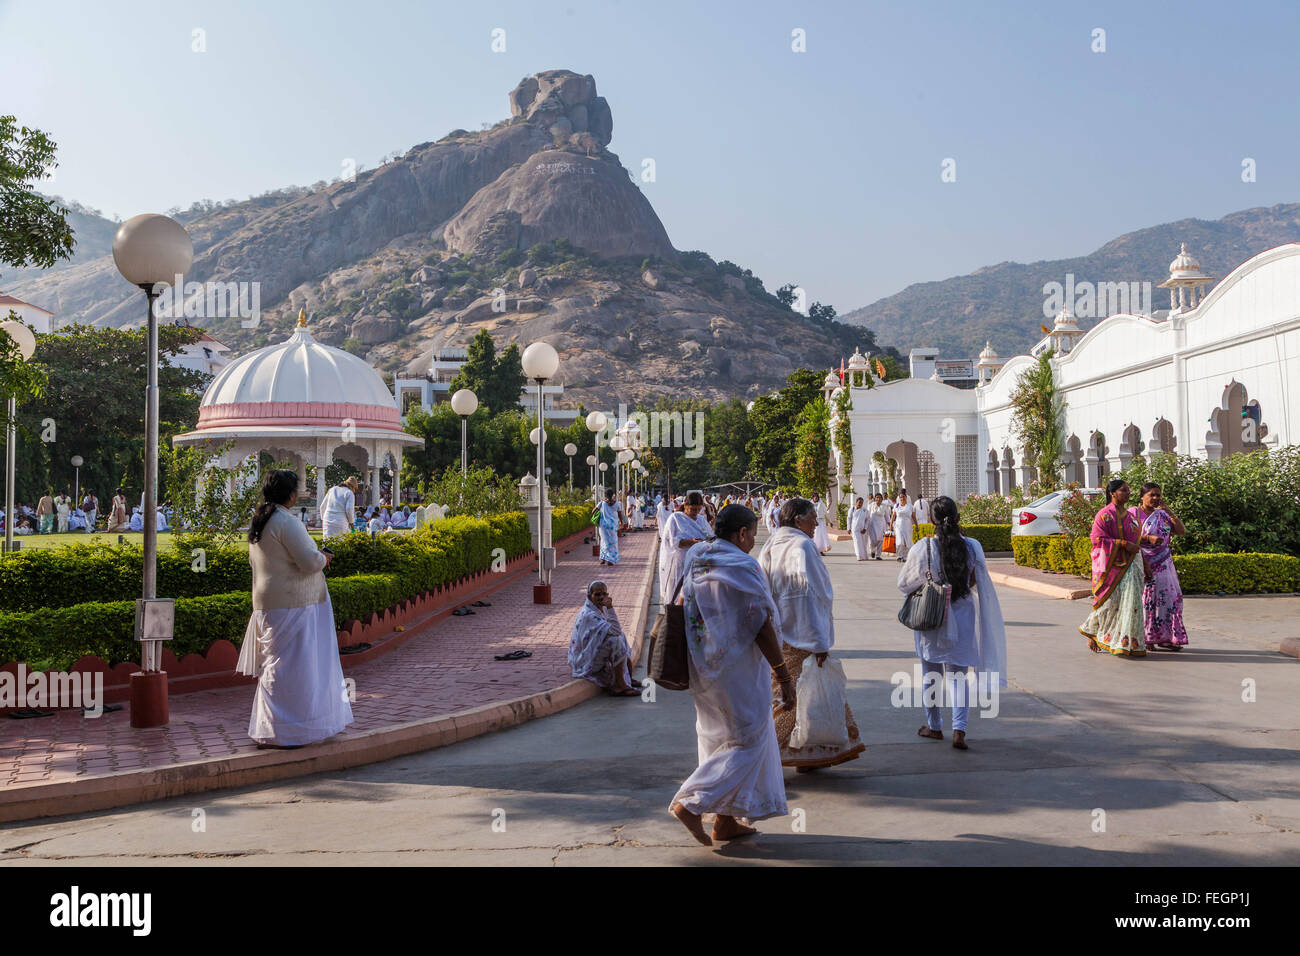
(1039, 517)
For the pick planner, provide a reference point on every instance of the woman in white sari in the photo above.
(820, 537)
(686, 528)
(734, 650)
(858, 518)
(877, 522)
(801, 588)
(973, 634)
(291, 644)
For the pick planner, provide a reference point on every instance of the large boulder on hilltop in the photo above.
(553, 96)
(591, 202)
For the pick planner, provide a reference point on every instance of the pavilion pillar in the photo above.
(397, 477)
(302, 476)
(374, 485)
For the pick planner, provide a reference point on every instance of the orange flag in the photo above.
(880, 369)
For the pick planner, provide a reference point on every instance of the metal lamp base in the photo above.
(541, 594)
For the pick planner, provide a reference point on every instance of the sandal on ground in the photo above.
(959, 740)
(513, 656)
(625, 692)
(930, 734)
(480, 604)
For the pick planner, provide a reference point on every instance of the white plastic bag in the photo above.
(819, 708)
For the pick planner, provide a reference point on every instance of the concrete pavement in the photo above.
(1178, 759)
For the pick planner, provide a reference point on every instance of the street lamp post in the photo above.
(596, 422)
(464, 403)
(540, 362)
(617, 444)
(152, 251)
(26, 343)
(570, 449)
(591, 472)
(77, 462)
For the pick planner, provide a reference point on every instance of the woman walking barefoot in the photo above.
(1162, 595)
(733, 651)
(1115, 624)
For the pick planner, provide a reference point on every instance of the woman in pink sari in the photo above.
(1162, 599)
(1116, 623)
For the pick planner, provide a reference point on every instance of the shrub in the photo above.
(985, 509)
(1246, 573)
(992, 537)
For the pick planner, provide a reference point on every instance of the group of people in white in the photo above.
(60, 514)
(760, 634)
(881, 525)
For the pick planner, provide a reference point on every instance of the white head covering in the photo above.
(726, 599)
(801, 588)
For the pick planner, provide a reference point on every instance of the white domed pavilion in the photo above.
(307, 403)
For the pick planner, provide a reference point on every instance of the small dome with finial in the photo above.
(1184, 263)
(987, 355)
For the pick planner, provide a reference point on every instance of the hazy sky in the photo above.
(820, 167)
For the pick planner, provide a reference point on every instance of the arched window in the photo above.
(1236, 426)
(991, 473)
(1131, 445)
(929, 468)
(1008, 471)
(1072, 461)
(1162, 437)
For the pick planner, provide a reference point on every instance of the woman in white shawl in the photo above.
(611, 519)
(820, 537)
(733, 651)
(686, 528)
(858, 519)
(291, 644)
(877, 522)
(904, 518)
(801, 588)
(598, 649)
(972, 635)
(338, 509)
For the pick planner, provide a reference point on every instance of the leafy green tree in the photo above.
(771, 450)
(1036, 410)
(813, 448)
(212, 502)
(34, 231)
(507, 380)
(93, 406)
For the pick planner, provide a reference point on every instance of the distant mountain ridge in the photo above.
(530, 229)
(1003, 303)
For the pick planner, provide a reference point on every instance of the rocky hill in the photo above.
(531, 229)
(1004, 303)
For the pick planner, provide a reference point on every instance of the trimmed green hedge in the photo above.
(1248, 573)
(993, 537)
(366, 575)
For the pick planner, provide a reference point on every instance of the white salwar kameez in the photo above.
(904, 517)
(858, 528)
(301, 697)
(337, 511)
(681, 527)
(726, 602)
(876, 524)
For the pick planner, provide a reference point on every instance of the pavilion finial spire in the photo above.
(302, 318)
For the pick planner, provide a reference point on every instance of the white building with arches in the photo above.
(1214, 375)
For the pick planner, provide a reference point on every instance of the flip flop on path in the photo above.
(513, 656)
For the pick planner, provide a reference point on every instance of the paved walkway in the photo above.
(1091, 761)
(447, 670)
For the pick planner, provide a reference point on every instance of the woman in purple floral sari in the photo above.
(1162, 598)
(1115, 624)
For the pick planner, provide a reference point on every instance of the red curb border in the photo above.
(108, 791)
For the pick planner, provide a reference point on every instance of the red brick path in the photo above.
(445, 669)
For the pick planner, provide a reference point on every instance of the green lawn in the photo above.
(130, 537)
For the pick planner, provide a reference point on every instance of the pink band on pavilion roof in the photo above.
(328, 414)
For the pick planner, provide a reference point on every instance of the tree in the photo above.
(1036, 409)
(813, 448)
(213, 503)
(93, 405)
(508, 380)
(771, 451)
(785, 295)
(496, 382)
(34, 231)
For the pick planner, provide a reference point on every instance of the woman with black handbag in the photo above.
(967, 633)
(734, 650)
